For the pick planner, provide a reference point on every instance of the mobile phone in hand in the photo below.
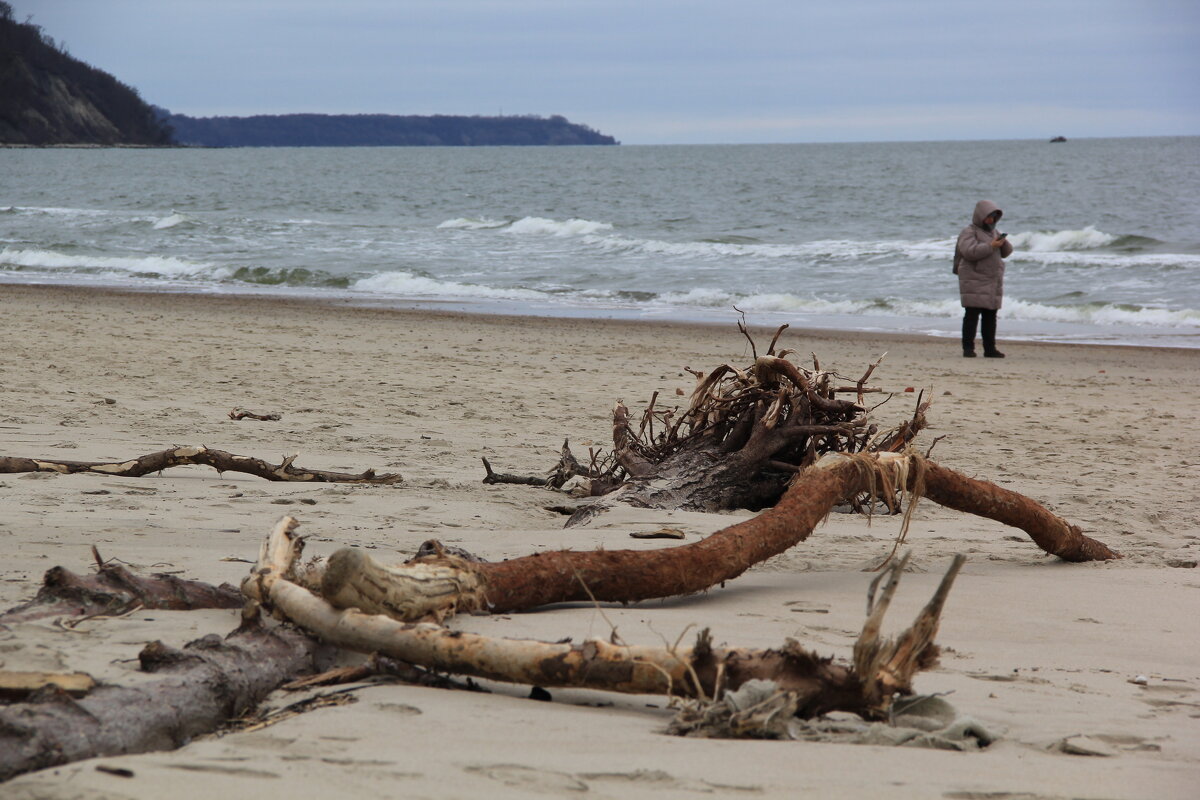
(1001, 235)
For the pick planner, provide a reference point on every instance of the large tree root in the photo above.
(743, 434)
(115, 590)
(881, 668)
(208, 683)
(439, 585)
(193, 454)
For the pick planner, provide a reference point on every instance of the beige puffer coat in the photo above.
(980, 267)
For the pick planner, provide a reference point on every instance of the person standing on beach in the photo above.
(979, 264)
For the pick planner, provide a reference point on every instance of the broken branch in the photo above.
(113, 590)
(193, 454)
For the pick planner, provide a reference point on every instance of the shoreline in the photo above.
(704, 318)
(1047, 655)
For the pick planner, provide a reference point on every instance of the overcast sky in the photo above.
(666, 71)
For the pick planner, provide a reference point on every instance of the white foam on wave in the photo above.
(408, 284)
(1059, 241)
(1102, 314)
(837, 250)
(688, 249)
(553, 227)
(1143, 261)
(471, 224)
(60, 211)
(165, 266)
(171, 221)
(769, 301)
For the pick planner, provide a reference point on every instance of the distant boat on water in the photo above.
(1058, 139)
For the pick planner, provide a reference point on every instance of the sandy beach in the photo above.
(1101, 656)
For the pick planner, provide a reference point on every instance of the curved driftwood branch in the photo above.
(703, 671)
(1049, 531)
(193, 454)
(424, 586)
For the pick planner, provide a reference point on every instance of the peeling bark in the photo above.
(193, 454)
(1051, 533)
(408, 592)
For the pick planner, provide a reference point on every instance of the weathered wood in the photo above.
(568, 467)
(17, 684)
(219, 460)
(744, 433)
(430, 587)
(702, 671)
(241, 413)
(207, 683)
(631, 575)
(493, 477)
(115, 590)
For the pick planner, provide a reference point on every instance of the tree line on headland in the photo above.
(50, 98)
(379, 130)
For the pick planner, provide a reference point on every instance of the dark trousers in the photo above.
(971, 318)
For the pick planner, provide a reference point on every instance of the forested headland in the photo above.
(380, 130)
(50, 98)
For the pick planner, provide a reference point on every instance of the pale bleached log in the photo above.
(702, 671)
(433, 587)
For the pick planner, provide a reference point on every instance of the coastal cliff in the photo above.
(48, 97)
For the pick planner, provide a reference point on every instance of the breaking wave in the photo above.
(466, 223)
(1105, 314)
(408, 284)
(1058, 241)
(552, 227)
(171, 221)
(141, 266)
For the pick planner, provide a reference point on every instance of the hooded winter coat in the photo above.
(979, 266)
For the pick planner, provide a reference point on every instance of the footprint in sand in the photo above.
(529, 778)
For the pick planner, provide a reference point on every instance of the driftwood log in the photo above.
(193, 454)
(203, 686)
(241, 413)
(211, 681)
(114, 590)
(880, 669)
(439, 585)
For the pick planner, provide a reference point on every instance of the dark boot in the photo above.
(969, 324)
(989, 335)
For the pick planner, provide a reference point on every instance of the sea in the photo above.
(832, 236)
